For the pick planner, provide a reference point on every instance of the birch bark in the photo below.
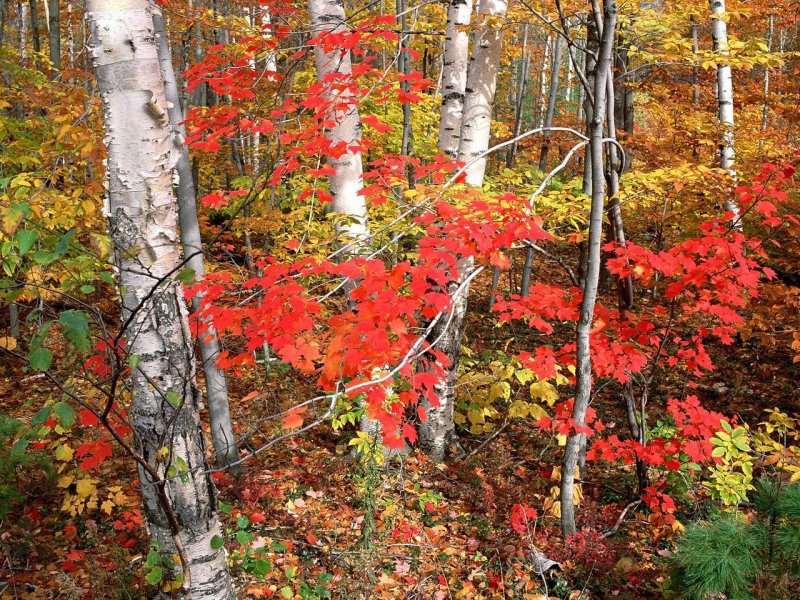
(727, 156)
(454, 75)
(142, 219)
(334, 70)
(222, 435)
(437, 432)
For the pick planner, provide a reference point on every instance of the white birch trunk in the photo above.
(142, 218)
(727, 156)
(454, 75)
(327, 16)
(436, 433)
(480, 89)
(219, 413)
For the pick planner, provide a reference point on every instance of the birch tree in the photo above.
(141, 210)
(727, 156)
(437, 431)
(222, 435)
(334, 67)
(454, 75)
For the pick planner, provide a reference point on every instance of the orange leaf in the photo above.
(294, 418)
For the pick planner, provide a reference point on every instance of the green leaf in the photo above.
(76, 328)
(155, 576)
(87, 289)
(133, 361)
(242, 522)
(173, 398)
(186, 276)
(287, 592)
(225, 508)
(26, 239)
(217, 542)
(244, 537)
(41, 416)
(106, 276)
(63, 243)
(65, 414)
(40, 359)
(18, 449)
(153, 559)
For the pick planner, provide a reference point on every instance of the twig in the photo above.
(621, 518)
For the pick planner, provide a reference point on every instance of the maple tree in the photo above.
(502, 251)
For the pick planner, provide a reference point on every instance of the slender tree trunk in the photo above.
(552, 97)
(13, 319)
(142, 217)
(527, 270)
(37, 44)
(437, 432)
(583, 358)
(454, 75)
(54, 34)
(511, 156)
(22, 30)
(695, 64)
(590, 70)
(222, 435)
(765, 108)
(404, 66)
(727, 156)
(543, 82)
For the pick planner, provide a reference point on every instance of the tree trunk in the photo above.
(765, 108)
(552, 97)
(222, 435)
(327, 16)
(54, 34)
(511, 156)
(454, 75)
(437, 431)
(727, 156)
(590, 70)
(142, 217)
(583, 390)
(37, 45)
(480, 90)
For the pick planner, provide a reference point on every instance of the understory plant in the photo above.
(743, 556)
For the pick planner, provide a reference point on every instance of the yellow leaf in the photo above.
(7, 342)
(64, 452)
(162, 454)
(544, 390)
(86, 487)
(107, 507)
(65, 481)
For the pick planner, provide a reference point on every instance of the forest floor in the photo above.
(330, 527)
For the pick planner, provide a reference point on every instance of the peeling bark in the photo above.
(334, 66)
(480, 89)
(437, 432)
(454, 75)
(222, 435)
(727, 156)
(142, 219)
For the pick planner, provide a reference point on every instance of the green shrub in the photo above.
(740, 560)
(17, 461)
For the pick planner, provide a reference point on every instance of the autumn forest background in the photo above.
(491, 299)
